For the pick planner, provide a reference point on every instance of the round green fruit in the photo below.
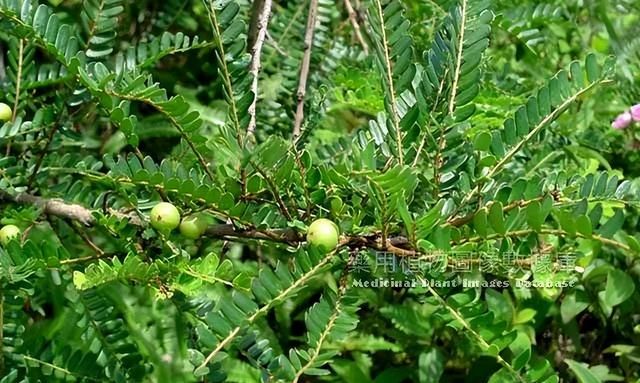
(8, 233)
(5, 112)
(165, 217)
(192, 227)
(323, 234)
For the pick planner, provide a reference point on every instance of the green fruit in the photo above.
(323, 234)
(165, 217)
(8, 233)
(5, 112)
(192, 227)
(202, 222)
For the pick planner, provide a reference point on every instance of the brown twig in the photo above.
(353, 18)
(303, 176)
(275, 235)
(55, 207)
(274, 191)
(79, 213)
(99, 252)
(32, 178)
(398, 245)
(304, 67)
(275, 45)
(254, 67)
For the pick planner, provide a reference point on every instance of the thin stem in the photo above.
(285, 33)
(274, 190)
(58, 368)
(94, 22)
(18, 83)
(556, 232)
(226, 75)
(394, 109)
(99, 252)
(419, 151)
(303, 176)
(456, 75)
(254, 67)
(32, 178)
(207, 278)
(304, 67)
(356, 27)
(441, 143)
(88, 258)
(18, 79)
(174, 122)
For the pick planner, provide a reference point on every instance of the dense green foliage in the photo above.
(451, 141)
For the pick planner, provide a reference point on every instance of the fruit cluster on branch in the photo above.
(322, 233)
(165, 217)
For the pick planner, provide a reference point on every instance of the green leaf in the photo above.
(592, 67)
(480, 222)
(496, 218)
(430, 366)
(567, 223)
(482, 141)
(350, 371)
(535, 218)
(583, 226)
(521, 349)
(582, 372)
(242, 281)
(525, 315)
(573, 304)
(619, 288)
(613, 225)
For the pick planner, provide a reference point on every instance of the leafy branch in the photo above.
(230, 11)
(386, 64)
(297, 284)
(330, 318)
(556, 232)
(541, 110)
(481, 341)
(458, 56)
(177, 112)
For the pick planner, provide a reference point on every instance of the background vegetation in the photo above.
(419, 127)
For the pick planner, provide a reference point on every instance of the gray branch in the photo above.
(256, 50)
(304, 67)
